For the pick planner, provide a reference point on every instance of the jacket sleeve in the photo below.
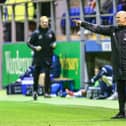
(53, 41)
(98, 76)
(31, 42)
(100, 29)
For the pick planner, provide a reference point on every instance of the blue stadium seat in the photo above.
(88, 10)
(74, 12)
(119, 7)
(77, 11)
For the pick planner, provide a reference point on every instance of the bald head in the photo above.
(121, 18)
(44, 21)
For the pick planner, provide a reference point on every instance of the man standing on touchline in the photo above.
(118, 44)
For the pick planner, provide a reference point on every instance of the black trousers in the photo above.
(121, 89)
(36, 73)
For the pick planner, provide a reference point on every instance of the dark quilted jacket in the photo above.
(118, 44)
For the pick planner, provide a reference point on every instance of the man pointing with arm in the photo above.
(118, 44)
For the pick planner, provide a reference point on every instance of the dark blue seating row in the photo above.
(109, 19)
(74, 13)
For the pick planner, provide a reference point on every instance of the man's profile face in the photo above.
(121, 18)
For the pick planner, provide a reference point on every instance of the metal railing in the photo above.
(53, 16)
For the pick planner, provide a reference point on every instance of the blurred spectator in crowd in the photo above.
(122, 5)
(102, 84)
(92, 4)
(106, 6)
(104, 79)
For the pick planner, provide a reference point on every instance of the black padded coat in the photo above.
(118, 44)
(44, 38)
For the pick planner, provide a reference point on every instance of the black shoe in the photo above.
(35, 96)
(119, 116)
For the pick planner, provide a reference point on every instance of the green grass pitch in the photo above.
(19, 110)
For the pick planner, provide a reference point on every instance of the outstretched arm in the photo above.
(100, 29)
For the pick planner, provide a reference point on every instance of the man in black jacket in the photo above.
(42, 42)
(118, 44)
